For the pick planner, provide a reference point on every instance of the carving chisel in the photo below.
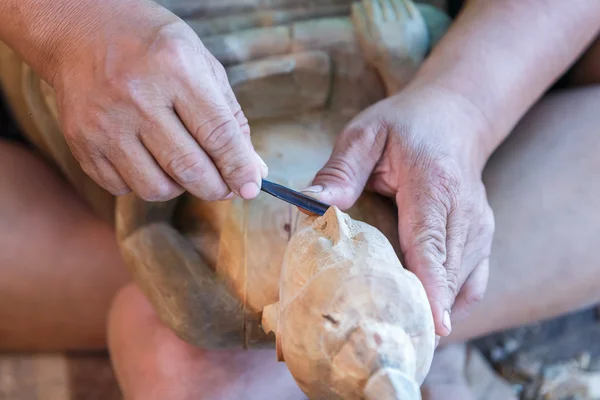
(295, 198)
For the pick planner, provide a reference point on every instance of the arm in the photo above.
(426, 146)
(47, 32)
(500, 56)
(143, 105)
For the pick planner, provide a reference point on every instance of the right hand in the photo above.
(146, 108)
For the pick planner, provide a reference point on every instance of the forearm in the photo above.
(501, 56)
(46, 33)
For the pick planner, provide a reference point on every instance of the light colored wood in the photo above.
(190, 8)
(186, 294)
(352, 322)
(35, 377)
(209, 26)
(394, 43)
(249, 45)
(283, 85)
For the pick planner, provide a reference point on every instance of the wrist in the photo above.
(471, 131)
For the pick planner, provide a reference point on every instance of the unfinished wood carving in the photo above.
(351, 322)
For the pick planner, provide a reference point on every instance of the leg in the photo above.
(152, 363)
(542, 184)
(60, 265)
(544, 190)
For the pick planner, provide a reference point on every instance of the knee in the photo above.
(128, 307)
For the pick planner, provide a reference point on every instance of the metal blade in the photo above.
(295, 198)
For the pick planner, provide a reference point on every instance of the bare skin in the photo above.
(522, 182)
(542, 189)
(178, 125)
(152, 363)
(60, 265)
(426, 146)
(148, 374)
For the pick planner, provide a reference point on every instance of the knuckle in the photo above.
(430, 236)
(115, 145)
(452, 280)
(370, 138)
(214, 194)
(83, 146)
(159, 192)
(218, 135)
(186, 168)
(120, 190)
(444, 181)
(238, 170)
(339, 170)
(436, 286)
(241, 119)
(473, 296)
(171, 50)
(102, 177)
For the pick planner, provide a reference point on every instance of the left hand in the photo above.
(422, 146)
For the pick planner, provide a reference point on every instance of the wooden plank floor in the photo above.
(57, 377)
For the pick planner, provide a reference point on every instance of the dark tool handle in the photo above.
(296, 198)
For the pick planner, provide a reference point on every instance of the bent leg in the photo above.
(152, 363)
(544, 189)
(59, 265)
(543, 186)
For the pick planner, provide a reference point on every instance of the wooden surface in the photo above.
(57, 377)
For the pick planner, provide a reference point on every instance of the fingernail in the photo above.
(264, 170)
(229, 196)
(249, 190)
(313, 189)
(446, 321)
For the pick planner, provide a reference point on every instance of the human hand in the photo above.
(422, 148)
(146, 108)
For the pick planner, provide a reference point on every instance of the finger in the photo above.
(359, 18)
(182, 158)
(373, 10)
(264, 170)
(473, 291)
(104, 174)
(400, 8)
(238, 114)
(343, 178)
(141, 172)
(409, 9)
(207, 116)
(422, 230)
(388, 11)
(457, 230)
(94, 163)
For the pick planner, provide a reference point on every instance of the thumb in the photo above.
(343, 178)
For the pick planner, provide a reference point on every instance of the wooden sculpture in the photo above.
(351, 322)
(300, 70)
